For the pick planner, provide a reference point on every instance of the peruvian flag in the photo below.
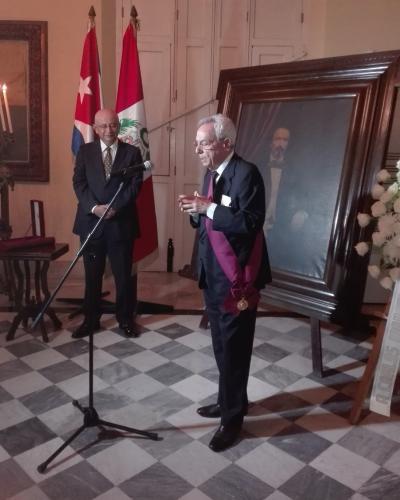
(89, 99)
(131, 113)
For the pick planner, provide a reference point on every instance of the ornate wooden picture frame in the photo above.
(336, 114)
(23, 63)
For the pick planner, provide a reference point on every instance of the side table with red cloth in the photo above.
(31, 292)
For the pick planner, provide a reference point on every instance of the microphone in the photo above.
(132, 170)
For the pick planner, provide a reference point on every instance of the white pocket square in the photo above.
(226, 200)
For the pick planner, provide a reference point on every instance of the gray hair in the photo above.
(223, 126)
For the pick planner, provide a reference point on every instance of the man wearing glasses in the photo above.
(94, 187)
(232, 265)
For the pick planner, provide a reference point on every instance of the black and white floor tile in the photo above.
(296, 443)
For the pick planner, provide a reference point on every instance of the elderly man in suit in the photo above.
(94, 187)
(233, 265)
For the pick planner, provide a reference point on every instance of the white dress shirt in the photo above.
(219, 170)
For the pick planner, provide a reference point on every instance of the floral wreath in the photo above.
(385, 214)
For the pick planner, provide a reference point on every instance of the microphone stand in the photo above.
(90, 415)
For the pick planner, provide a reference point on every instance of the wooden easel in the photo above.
(366, 380)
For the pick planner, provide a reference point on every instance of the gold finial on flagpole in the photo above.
(134, 18)
(92, 15)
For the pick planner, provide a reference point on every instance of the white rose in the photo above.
(374, 271)
(383, 175)
(387, 196)
(391, 252)
(362, 248)
(377, 191)
(398, 164)
(393, 188)
(395, 273)
(363, 219)
(378, 239)
(378, 209)
(390, 192)
(386, 224)
(386, 283)
(396, 206)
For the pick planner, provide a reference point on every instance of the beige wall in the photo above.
(314, 28)
(356, 26)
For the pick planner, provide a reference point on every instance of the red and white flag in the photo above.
(131, 113)
(89, 99)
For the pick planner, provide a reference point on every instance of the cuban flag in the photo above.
(89, 99)
(131, 113)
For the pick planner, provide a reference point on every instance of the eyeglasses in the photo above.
(204, 144)
(104, 126)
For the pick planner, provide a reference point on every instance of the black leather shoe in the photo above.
(212, 411)
(129, 330)
(84, 329)
(225, 437)
(209, 411)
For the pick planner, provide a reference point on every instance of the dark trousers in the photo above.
(119, 254)
(232, 340)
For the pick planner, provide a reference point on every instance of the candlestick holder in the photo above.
(6, 139)
(6, 183)
(6, 178)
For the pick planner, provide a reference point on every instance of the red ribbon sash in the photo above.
(242, 294)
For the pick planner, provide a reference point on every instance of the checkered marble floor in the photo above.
(296, 443)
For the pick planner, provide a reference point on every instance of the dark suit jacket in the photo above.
(240, 222)
(91, 188)
(300, 248)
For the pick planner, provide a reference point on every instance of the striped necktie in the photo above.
(211, 183)
(107, 162)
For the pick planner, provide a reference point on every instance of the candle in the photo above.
(3, 122)
(7, 108)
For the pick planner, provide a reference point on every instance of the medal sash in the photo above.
(242, 294)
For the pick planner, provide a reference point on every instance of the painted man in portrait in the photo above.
(276, 164)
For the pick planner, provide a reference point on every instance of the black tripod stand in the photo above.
(90, 415)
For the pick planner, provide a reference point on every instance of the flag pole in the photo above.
(143, 307)
(92, 15)
(130, 108)
(135, 21)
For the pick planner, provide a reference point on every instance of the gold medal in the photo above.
(242, 305)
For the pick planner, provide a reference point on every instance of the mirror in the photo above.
(23, 68)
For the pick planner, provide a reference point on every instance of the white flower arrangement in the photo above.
(385, 214)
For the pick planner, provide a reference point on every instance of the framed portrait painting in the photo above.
(24, 99)
(317, 131)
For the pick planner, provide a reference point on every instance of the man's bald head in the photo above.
(106, 125)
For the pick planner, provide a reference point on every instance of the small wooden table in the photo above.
(31, 292)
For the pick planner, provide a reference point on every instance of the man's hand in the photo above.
(194, 204)
(298, 220)
(100, 209)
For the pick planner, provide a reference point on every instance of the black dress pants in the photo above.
(119, 254)
(232, 340)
